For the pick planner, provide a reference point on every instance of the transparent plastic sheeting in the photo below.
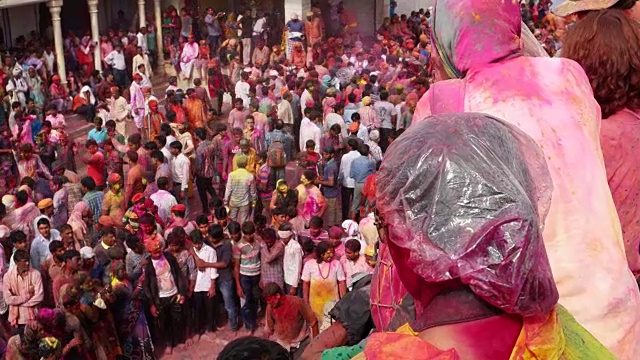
(463, 197)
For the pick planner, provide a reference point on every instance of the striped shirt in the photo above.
(241, 188)
(249, 256)
(94, 200)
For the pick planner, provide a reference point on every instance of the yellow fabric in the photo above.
(555, 337)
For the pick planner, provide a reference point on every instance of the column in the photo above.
(300, 7)
(157, 10)
(95, 33)
(55, 6)
(142, 13)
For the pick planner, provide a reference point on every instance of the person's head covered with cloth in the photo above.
(461, 201)
(462, 198)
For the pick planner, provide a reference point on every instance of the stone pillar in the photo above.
(142, 13)
(300, 7)
(55, 6)
(157, 11)
(95, 33)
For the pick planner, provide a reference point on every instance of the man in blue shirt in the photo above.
(99, 134)
(350, 109)
(330, 189)
(361, 168)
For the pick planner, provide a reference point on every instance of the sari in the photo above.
(310, 201)
(551, 100)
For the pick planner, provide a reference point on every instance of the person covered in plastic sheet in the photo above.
(550, 99)
(462, 200)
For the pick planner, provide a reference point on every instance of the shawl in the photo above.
(75, 219)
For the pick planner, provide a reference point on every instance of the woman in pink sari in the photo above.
(479, 45)
(610, 37)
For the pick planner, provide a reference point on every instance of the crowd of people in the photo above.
(332, 172)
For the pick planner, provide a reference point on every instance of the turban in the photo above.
(153, 102)
(179, 208)
(137, 77)
(366, 101)
(374, 135)
(309, 103)
(55, 78)
(285, 234)
(105, 220)
(137, 197)
(48, 347)
(16, 71)
(336, 232)
(354, 127)
(9, 201)
(114, 88)
(114, 178)
(45, 203)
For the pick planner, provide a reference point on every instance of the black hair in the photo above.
(253, 348)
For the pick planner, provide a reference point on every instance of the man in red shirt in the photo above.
(289, 320)
(95, 163)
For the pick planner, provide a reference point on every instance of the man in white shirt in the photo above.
(141, 59)
(292, 260)
(285, 112)
(311, 131)
(242, 89)
(142, 40)
(40, 245)
(259, 28)
(118, 65)
(137, 101)
(18, 86)
(336, 118)
(163, 199)
(205, 289)
(306, 95)
(142, 71)
(49, 59)
(348, 184)
(180, 170)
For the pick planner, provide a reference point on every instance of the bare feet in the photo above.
(168, 350)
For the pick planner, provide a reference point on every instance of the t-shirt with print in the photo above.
(249, 255)
(385, 111)
(166, 283)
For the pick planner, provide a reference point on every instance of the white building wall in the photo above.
(21, 21)
(407, 6)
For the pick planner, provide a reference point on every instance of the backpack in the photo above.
(276, 157)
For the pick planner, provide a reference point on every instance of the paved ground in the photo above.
(207, 347)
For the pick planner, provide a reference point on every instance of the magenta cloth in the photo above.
(550, 100)
(620, 141)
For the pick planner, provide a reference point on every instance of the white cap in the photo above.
(87, 253)
(273, 73)
(294, 16)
